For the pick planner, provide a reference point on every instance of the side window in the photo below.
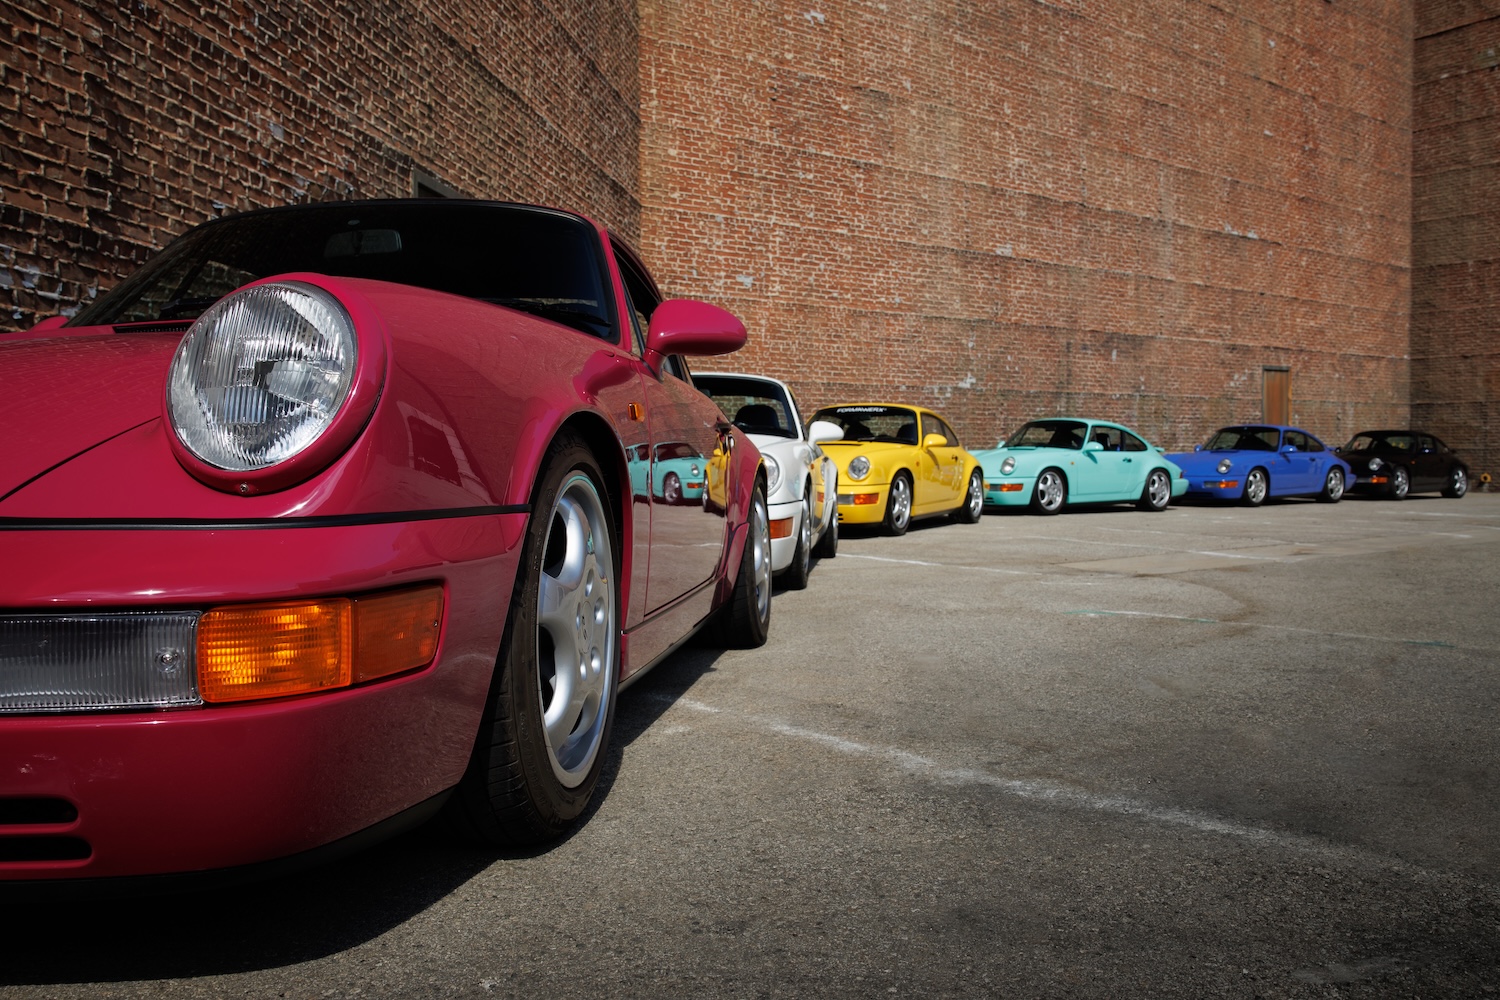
(1109, 437)
(1133, 443)
(1296, 440)
(1425, 443)
(643, 301)
(1313, 444)
(932, 425)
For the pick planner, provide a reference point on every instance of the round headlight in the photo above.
(1008, 466)
(859, 467)
(773, 474)
(1224, 465)
(261, 375)
(1376, 464)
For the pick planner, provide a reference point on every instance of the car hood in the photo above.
(993, 456)
(1204, 462)
(61, 396)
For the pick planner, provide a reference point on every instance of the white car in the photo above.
(802, 489)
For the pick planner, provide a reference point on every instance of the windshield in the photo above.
(1372, 440)
(1049, 434)
(1244, 439)
(891, 424)
(757, 407)
(537, 260)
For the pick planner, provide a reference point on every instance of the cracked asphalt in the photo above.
(1207, 752)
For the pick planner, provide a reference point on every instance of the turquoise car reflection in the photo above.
(675, 471)
(1054, 463)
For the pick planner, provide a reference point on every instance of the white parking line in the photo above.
(938, 565)
(1044, 791)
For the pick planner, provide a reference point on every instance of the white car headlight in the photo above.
(1376, 464)
(261, 375)
(859, 467)
(773, 474)
(1008, 466)
(1224, 465)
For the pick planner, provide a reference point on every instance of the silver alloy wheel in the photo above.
(671, 488)
(1049, 491)
(576, 629)
(976, 496)
(760, 538)
(898, 504)
(1333, 488)
(1400, 482)
(1158, 489)
(1256, 487)
(1458, 482)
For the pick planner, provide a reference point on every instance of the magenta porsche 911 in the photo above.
(328, 520)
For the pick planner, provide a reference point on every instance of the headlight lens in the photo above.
(1008, 466)
(859, 467)
(1376, 464)
(1224, 465)
(261, 375)
(773, 474)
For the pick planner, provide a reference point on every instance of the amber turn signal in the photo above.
(781, 527)
(254, 651)
(865, 499)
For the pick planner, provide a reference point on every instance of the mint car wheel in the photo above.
(1157, 492)
(1051, 492)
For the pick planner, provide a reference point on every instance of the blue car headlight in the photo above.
(1224, 465)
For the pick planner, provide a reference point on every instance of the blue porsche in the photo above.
(1250, 462)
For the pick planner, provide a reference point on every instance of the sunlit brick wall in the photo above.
(1455, 342)
(123, 123)
(1012, 208)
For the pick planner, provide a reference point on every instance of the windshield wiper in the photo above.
(195, 306)
(582, 320)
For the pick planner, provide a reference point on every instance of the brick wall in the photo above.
(1012, 208)
(124, 123)
(1455, 350)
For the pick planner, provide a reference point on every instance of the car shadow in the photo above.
(289, 920)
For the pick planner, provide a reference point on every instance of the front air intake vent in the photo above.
(36, 812)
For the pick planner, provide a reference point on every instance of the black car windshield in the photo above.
(1244, 439)
(755, 406)
(1049, 434)
(873, 422)
(1376, 440)
(538, 260)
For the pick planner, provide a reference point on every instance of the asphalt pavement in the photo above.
(1211, 751)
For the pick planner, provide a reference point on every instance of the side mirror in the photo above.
(1288, 449)
(1092, 446)
(1000, 443)
(687, 326)
(824, 430)
(934, 441)
(1197, 447)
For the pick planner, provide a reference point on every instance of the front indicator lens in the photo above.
(270, 651)
(782, 527)
(1010, 487)
(256, 651)
(97, 662)
(865, 499)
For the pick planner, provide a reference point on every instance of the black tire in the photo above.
(1333, 486)
(1458, 483)
(1157, 492)
(1051, 492)
(973, 506)
(744, 621)
(1399, 484)
(828, 541)
(794, 577)
(898, 505)
(528, 780)
(1257, 488)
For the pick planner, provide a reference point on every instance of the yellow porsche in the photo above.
(897, 463)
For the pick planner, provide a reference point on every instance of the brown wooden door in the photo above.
(1276, 402)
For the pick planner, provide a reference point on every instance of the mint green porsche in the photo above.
(1054, 463)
